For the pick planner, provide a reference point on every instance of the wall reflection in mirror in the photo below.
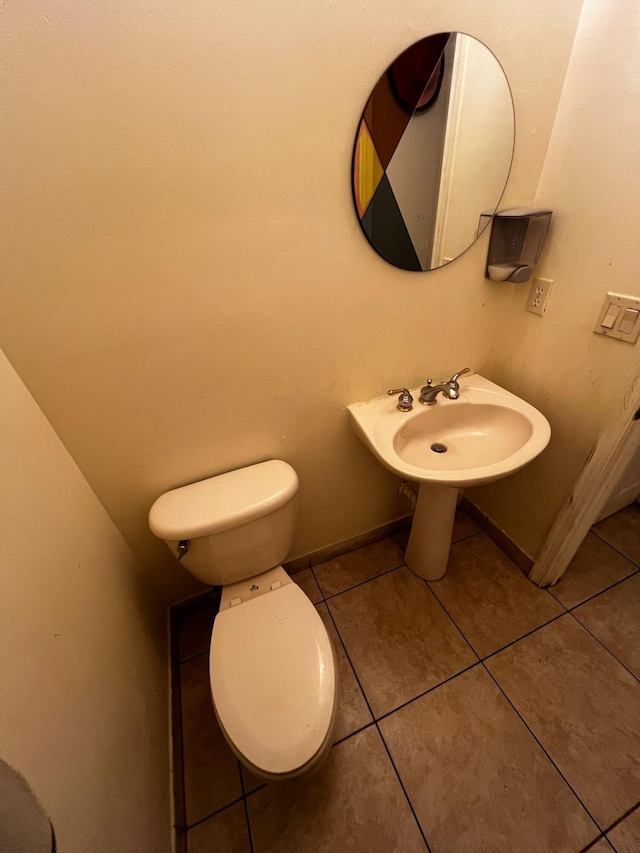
(433, 151)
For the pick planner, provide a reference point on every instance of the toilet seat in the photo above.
(274, 680)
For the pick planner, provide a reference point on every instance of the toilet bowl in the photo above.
(272, 666)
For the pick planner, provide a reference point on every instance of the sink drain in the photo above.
(439, 448)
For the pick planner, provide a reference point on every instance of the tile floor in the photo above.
(478, 713)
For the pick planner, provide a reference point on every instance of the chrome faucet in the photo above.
(450, 389)
(405, 400)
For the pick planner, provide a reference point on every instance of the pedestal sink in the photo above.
(486, 434)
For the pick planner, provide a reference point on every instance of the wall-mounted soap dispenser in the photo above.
(517, 238)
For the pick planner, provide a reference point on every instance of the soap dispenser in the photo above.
(517, 238)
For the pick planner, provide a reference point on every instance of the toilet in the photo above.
(274, 678)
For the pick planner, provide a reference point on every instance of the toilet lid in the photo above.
(273, 679)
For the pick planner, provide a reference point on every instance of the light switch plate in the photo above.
(539, 295)
(619, 302)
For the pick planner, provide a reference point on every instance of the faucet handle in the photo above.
(405, 400)
(456, 376)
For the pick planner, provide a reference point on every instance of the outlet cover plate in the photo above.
(539, 295)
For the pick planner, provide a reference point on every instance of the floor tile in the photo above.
(398, 638)
(211, 772)
(476, 777)
(353, 712)
(227, 831)
(352, 804)
(463, 526)
(308, 585)
(614, 618)
(194, 632)
(625, 837)
(489, 598)
(357, 566)
(583, 707)
(622, 531)
(402, 538)
(595, 567)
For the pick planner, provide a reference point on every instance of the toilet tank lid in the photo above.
(223, 502)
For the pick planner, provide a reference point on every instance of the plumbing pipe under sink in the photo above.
(409, 491)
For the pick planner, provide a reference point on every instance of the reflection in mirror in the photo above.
(433, 151)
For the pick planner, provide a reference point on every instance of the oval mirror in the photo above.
(433, 151)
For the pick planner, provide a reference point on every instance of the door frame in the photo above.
(611, 454)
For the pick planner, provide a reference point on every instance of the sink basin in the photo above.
(486, 434)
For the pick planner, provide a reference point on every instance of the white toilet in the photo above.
(274, 679)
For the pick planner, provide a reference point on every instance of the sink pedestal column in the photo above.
(427, 552)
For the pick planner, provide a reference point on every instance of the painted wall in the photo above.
(189, 287)
(590, 179)
(83, 657)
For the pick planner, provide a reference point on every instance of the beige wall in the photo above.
(83, 658)
(590, 179)
(189, 287)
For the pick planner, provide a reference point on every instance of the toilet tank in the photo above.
(238, 524)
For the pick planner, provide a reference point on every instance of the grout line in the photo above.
(464, 538)
(596, 594)
(482, 661)
(313, 575)
(453, 621)
(183, 786)
(502, 648)
(613, 548)
(524, 722)
(528, 634)
(193, 657)
(375, 723)
(356, 732)
(362, 583)
(213, 814)
(364, 695)
(335, 743)
(624, 817)
(177, 727)
(246, 815)
(259, 788)
(395, 769)
(426, 692)
(239, 766)
(386, 572)
(608, 650)
(604, 832)
(593, 843)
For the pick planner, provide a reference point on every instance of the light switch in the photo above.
(629, 319)
(609, 319)
(619, 318)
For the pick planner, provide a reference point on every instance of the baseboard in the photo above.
(473, 512)
(330, 552)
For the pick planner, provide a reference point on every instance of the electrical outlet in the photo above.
(539, 295)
